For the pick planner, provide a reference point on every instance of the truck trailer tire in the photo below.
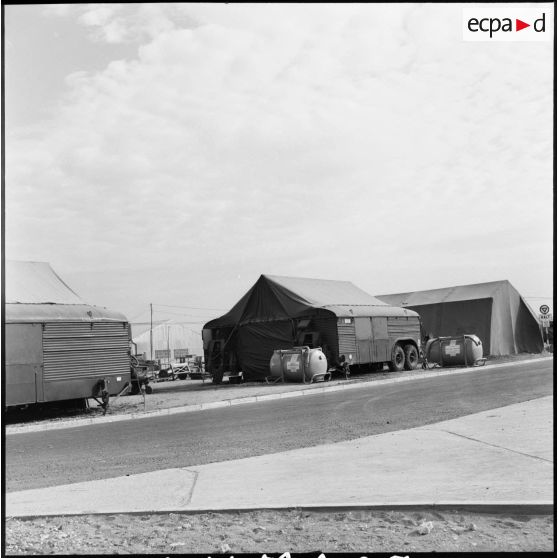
(411, 357)
(397, 363)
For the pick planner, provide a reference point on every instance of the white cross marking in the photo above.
(292, 365)
(453, 348)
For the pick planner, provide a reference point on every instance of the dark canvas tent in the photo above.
(494, 311)
(269, 317)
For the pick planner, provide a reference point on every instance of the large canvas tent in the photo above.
(57, 345)
(494, 311)
(36, 283)
(272, 313)
(35, 293)
(167, 336)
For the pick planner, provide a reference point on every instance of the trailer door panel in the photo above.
(380, 347)
(363, 332)
(24, 355)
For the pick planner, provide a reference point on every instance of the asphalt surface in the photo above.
(501, 459)
(102, 451)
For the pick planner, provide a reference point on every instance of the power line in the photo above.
(165, 312)
(165, 322)
(190, 307)
(149, 323)
(165, 315)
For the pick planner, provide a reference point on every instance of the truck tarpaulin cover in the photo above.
(494, 311)
(261, 320)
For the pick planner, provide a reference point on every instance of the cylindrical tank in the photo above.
(299, 364)
(454, 351)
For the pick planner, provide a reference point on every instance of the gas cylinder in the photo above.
(460, 350)
(299, 364)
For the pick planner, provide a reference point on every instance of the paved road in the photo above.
(56, 457)
(500, 457)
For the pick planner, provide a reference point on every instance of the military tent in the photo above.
(281, 312)
(493, 311)
(170, 336)
(58, 346)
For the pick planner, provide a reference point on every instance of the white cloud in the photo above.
(122, 23)
(304, 139)
(98, 15)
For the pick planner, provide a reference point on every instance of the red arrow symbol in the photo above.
(519, 25)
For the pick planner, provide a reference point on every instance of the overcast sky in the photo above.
(172, 153)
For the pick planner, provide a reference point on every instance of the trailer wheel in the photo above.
(148, 389)
(411, 357)
(397, 363)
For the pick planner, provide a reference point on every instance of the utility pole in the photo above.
(168, 346)
(151, 333)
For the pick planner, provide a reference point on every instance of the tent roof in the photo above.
(276, 297)
(35, 293)
(36, 283)
(173, 334)
(140, 328)
(447, 294)
(321, 293)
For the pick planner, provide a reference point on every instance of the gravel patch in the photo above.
(269, 531)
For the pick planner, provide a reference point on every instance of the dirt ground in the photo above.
(179, 393)
(268, 531)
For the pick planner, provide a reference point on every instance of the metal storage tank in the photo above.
(463, 350)
(299, 364)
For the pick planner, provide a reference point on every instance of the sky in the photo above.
(170, 154)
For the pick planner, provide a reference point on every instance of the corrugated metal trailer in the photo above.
(57, 352)
(375, 340)
(364, 335)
